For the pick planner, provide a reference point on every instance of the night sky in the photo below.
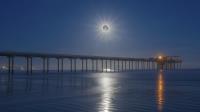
(141, 28)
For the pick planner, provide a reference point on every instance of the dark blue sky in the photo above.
(142, 27)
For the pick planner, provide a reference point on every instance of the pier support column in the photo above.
(47, 65)
(147, 65)
(9, 64)
(118, 65)
(150, 65)
(71, 64)
(122, 65)
(168, 67)
(82, 65)
(114, 66)
(27, 65)
(102, 64)
(125, 66)
(12, 65)
(92, 65)
(140, 65)
(177, 66)
(174, 68)
(43, 64)
(96, 65)
(135, 65)
(86, 65)
(58, 62)
(31, 61)
(62, 68)
(154, 66)
(75, 65)
(106, 65)
(131, 65)
(110, 65)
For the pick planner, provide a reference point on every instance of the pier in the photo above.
(93, 63)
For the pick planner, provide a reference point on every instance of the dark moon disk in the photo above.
(105, 27)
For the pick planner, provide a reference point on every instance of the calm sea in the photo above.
(177, 91)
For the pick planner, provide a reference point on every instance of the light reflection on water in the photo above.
(107, 88)
(160, 91)
(101, 92)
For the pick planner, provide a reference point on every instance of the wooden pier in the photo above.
(97, 63)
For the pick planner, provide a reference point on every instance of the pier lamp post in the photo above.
(160, 57)
(161, 61)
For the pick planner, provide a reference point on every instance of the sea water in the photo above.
(172, 91)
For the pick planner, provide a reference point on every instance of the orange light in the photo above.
(160, 91)
(160, 57)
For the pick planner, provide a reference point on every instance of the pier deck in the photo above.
(118, 64)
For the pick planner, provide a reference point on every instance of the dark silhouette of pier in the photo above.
(116, 64)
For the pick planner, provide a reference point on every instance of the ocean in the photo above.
(149, 91)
